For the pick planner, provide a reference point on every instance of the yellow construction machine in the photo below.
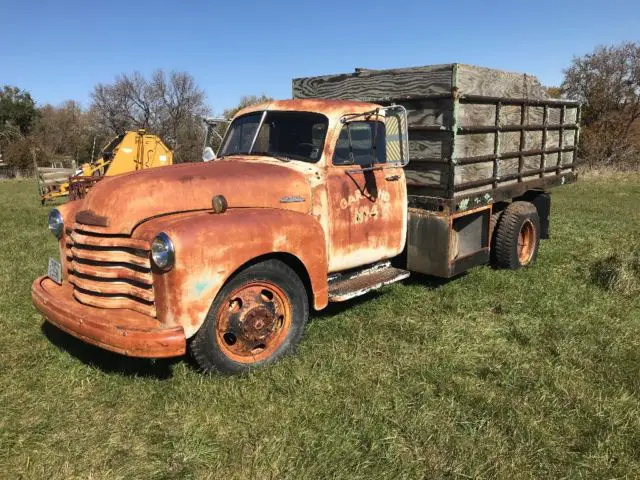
(127, 152)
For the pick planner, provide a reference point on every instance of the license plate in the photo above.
(55, 270)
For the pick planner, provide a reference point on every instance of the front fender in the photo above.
(211, 247)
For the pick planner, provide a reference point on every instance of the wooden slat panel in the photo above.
(509, 142)
(533, 140)
(474, 145)
(474, 114)
(570, 115)
(477, 91)
(428, 112)
(490, 82)
(553, 139)
(427, 175)
(377, 85)
(477, 171)
(429, 145)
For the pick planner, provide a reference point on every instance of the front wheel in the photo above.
(256, 318)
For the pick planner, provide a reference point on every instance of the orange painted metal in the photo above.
(253, 322)
(128, 200)
(211, 247)
(367, 214)
(341, 218)
(122, 331)
(526, 242)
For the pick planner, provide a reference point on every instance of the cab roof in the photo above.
(330, 108)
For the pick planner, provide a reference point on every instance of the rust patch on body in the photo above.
(90, 218)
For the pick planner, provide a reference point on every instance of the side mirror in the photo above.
(397, 140)
(208, 154)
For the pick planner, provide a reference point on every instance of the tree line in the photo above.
(607, 82)
(171, 105)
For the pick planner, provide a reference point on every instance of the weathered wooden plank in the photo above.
(510, 115)
(429, 145)
(54, 176)
(473, 145)
(509, 142)
(551, 159)
(554, 115)
(429, 112)
(489, 82)
(471, 114)
(508, 166)
(377, 85)
(567, 158)
(531, 162)
(431, 175)
(570, 115)
(553, 139)
(533, 140)
(473, 172)
(569, 138)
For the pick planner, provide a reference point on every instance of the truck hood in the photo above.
(120, 203)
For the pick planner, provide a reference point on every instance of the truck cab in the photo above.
(225, 258)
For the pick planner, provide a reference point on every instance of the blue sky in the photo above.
(60, 49)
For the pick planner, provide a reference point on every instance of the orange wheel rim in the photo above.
(526, 242)
(252, 322)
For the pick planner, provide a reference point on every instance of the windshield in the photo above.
(285, 135)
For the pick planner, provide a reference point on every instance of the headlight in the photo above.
(56, 225)
(162, 251)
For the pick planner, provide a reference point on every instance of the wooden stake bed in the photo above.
(472, 130)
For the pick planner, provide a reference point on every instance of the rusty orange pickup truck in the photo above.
(308, 202)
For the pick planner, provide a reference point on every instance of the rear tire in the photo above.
(256, 318)
(517, 236)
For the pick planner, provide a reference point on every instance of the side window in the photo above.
(357, 139)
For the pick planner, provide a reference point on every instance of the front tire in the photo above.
(256, 318)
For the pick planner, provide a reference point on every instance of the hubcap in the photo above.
(526, 242)
(253, 321)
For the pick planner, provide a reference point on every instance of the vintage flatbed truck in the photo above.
(311, 201)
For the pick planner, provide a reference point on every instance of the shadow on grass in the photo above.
(161, 369)
(431, 282)
(110, 362)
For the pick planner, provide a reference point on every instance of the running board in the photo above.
(347, 286)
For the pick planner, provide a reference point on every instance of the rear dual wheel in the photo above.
(516, 236)
(257, 317)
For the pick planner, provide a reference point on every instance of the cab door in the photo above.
(367, 197)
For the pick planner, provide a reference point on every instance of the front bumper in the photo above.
(119, 330)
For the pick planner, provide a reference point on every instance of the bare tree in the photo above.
(179, 102)
(112, 107)
(61, 131)
(168, 105)
(607, 81)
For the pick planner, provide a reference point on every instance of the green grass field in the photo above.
(497, 374)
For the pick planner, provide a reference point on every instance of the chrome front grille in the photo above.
(110, 271)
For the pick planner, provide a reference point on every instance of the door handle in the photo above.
(392, 178)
